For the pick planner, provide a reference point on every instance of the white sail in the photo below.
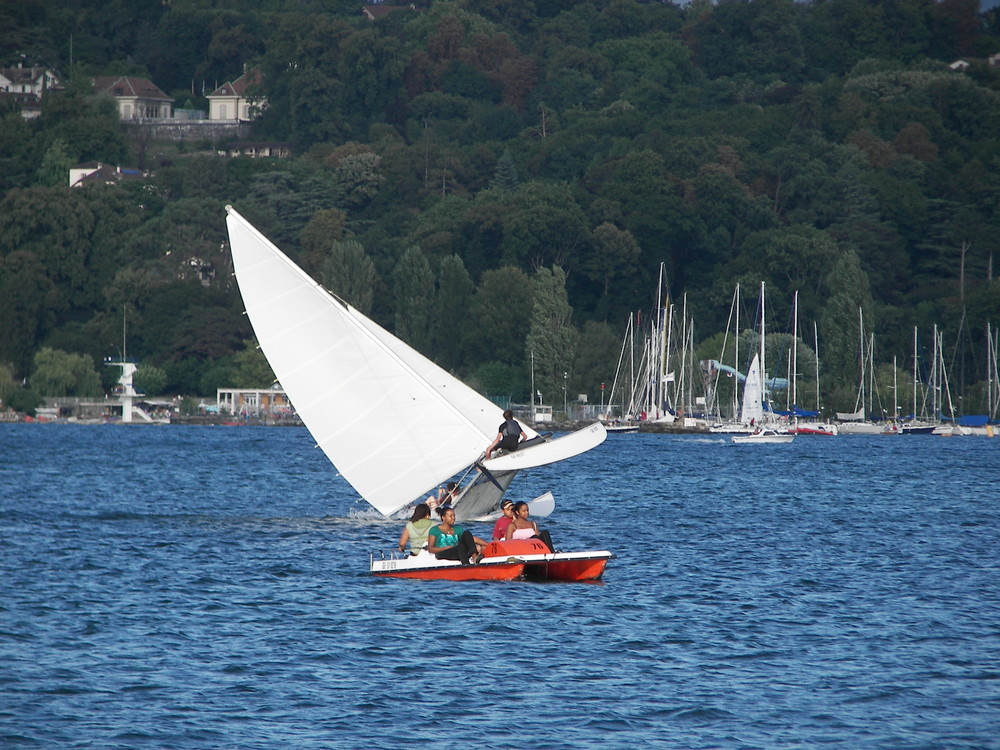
(752, 409)
(393, 423)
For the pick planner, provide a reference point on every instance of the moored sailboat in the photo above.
(752, 412)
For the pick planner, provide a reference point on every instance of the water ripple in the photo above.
(196, 587)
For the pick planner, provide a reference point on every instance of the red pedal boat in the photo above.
(502, 561)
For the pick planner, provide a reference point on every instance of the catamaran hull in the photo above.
(762, 438)
(484, 571)
(559, 567)
(502, 561)
(824, 430)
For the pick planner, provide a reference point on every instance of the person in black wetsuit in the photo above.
(509, 435)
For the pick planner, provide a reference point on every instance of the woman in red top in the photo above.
(505, 520)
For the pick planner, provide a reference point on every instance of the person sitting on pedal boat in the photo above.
(450, 542)
(416, 529)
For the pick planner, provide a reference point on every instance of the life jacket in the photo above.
(511, 435)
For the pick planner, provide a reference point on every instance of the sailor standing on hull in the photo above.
(509, 435)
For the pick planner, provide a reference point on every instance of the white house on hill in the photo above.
(26, 86)
(137, 98)
(230, 102)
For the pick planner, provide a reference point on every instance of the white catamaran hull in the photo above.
(764, 436)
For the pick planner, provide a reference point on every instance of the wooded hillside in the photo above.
(486, 176)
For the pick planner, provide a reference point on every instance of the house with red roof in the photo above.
(230, 101)
(137, 98)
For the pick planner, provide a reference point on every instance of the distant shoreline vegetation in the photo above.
(496, 182)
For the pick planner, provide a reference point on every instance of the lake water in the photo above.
(202, 587)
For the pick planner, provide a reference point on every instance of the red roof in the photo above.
(239, 86)
(141, 88)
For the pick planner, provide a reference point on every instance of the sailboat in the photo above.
(752, 411)
(393, 423)
(752, 407)
(802, 426)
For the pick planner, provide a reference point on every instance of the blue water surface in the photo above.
(202, 587)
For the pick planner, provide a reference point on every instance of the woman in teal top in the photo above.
(415, 531)
(450, 542)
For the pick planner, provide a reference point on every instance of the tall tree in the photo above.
(59, 373)
(552, 340)
(502, 313)
(413, 292)
(350, 274)
(26, 295)
(451, 313)
(840, 336)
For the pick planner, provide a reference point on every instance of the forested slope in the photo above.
(489, 176)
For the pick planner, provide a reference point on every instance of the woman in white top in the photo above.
(523, 528)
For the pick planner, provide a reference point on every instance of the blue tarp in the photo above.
(797, 412)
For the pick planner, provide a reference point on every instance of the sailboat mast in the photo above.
(944, 380)
(682, 390)
(534, 399)
(736, 363)
(631, 350)
(935, 377)
(763, 367)
(668, 317)
(992, 376)
(663, 320)
(871, 374)
(914, 373)
(816, 343)
(862, 345)
(895, 393)
(795, 348)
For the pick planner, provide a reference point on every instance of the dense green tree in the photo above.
(552, 340)
(252, 368)
(54, 168)
(357, 178)
(760, 37)
(796, 258)
(26, 308)
(58, 373)
(326, 226)
(611, 263)
(8, 384)
(25, 400)
(150, 379)
(542, 224)
(451, 324)
(505, 175)
(87, 125)
(702, 136)
(648, 71)
(840, 335)
(596, 359)
(501, 316)
(413, 293)
(350, 274)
